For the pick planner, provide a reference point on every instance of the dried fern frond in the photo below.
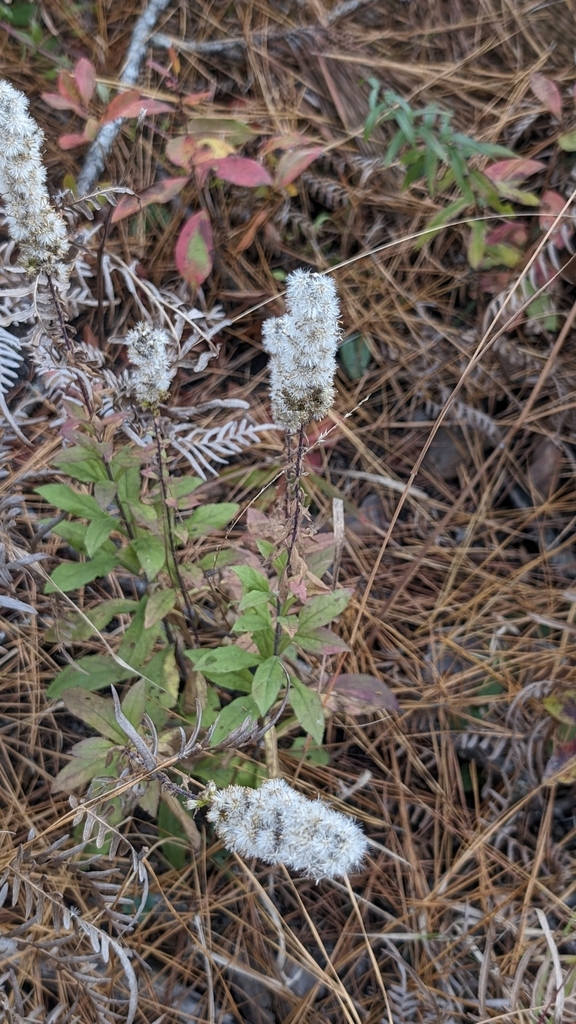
(215, 444)
(26, 883)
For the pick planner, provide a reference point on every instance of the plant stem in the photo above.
(297, 496)
(169, 534)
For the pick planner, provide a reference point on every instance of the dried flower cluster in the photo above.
(32, 221)
(302, 345)
(148, 349)
(278, 825)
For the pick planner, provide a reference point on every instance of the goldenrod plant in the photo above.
(138, 520)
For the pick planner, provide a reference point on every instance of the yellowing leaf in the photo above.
(193, 253)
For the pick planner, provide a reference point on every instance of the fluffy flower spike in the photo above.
(278, 825)
(32, 222)
(302, 345)
(148, 349)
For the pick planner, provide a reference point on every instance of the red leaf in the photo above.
(515, 169)
(181, 151)
(553, 204)
(148, 106)
(194, 98)
(73, 140)
(193, 253)
(117, 106)
(67, 86)
(508, 233)
(239, 170)
(59, 102)
(85, 78)
(159, 192)
(131, 103)
(547, 92)
(292, 164)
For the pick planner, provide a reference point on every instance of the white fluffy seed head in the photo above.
(32, 222)
(302, 346)
(148, 349)
(279, 826)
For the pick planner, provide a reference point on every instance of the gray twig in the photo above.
(96, 155)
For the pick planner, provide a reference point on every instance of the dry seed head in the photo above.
(302, 346)
(148, 349)
(32, 222)
(278, 825)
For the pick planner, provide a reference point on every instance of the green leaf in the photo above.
(476, 244)
(250, 578)
(502, 255)
(355, 356)
(177, 854)
(509, 190)
(162, 670)
(218, 559)
(431, 169)
(414, 172)
(320, 641)
(74, 533)
(143, 515)
(320, 558)
(138, 641)
(232, 716)
(304, 750)
(562, 705)
(211, 517)
(268, 680)
(264, 640)
(98, 531)
(127, 472)
(105, 492)
(72, 575)
(62, 496)
(89, 759)
(88, 471)
(95, 711)
(160, 603)
(151, 553)
(319, 611)
(404, 122)
(567, 142)
(253, 621)
(237, 771)
(394, 148)
(307, 708)
(255, 599)
(223, 659)
(240, 681)
(128, 560)
(93, 672)
(100, 616)
(134, 703)
(440, 220)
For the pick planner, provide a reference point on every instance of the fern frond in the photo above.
(26, 884)
(11, 358)
(215, 444)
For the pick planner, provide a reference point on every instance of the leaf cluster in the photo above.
(117, 524)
